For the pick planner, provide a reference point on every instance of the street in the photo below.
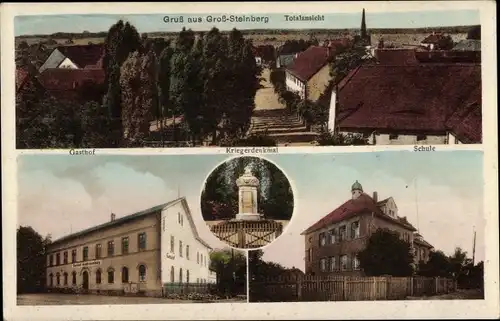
(89, 299)
(473, 294)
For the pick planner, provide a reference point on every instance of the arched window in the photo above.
(172, 274)
(98, 276)
(65, 278)
(142, 273)
(187, 276)
(180, 275)
(111, 275)
(51, 279)
(58, 279)
(73, 281)
(125, 274)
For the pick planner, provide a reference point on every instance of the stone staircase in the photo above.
(283, 127)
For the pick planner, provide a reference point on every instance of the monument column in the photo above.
(247, 196)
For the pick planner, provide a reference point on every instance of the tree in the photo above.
(474, 33)
(139, 95)
(458, 262)
(231, 269)
(95, 123)
(386, 254)
(277, 79)
(445, 43)
(347, 60)
(438, 265)
(329, 138)
(31, 260)
(122, 39)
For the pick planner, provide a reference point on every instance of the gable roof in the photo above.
(433, 38)
(65, 79)
(309, 62)
(466, 123)
(412, 98)
(363, 204)
(398, 56)
(134, 216)
(420, 240)
(83, 55)
(21, 77)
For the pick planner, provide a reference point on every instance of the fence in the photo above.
(346, 288)
(187, 288)
(248, 234)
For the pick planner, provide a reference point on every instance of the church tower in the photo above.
(363, 26)
(356, 190)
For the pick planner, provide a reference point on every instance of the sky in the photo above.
(48, 24)
(60, 194)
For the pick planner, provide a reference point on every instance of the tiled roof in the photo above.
(363, 204)
(433, 38)
(21, 76)
(65, 79)
(83, 55)
(412, 98)
(423, 242)
(466, 122)
(396, 56)
(448, 56)
(131, 217)
(309, 62)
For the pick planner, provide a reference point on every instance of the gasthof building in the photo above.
(138, 253)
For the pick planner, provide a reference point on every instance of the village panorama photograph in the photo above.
(113, 230)
(367, 228)
(156, 80)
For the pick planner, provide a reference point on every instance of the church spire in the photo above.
(363, 25)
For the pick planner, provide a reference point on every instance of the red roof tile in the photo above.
(63, 79)
(309, 62)
(363, 204)
(412, 98)
(466, 122)
(83, 55)
(396, 56)
(21, 76)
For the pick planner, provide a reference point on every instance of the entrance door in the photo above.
(85, 280)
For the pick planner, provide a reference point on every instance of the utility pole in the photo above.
(474, 248)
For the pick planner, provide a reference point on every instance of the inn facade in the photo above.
(139, 253)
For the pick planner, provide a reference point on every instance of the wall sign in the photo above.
(88, 263)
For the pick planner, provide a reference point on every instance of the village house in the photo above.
(401, 101)
(138, 253)
(421, 249)
(333, 243)
(75, 57)
(433, 41)
(309, 73)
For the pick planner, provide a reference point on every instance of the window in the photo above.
(393, 136)
(322, 265)
(332, 236)
(179, 218)
(58, 279)
(142, 273)
(309, 255)
(197, 280)
(342, 233)
(456, 141)
(198, 258)
(343, 263)
(111, 248)
(182, 220)
(98, 251)
(187, 252)
(51, 279)
(172, 274)
(124, 245)
(73, 277)
(124, 274)
(354, 230)
(333, 264)
(172, 244)
(421, 137)
(98, 275)
(73, 256)
(163, 224)
(58, 259)
(51, 260)
(65, 257)
(355, 262)
(66, 275)
(180, 275)
(111, 275)
(322, 239)
(187, 276)
(85, 253)
(180, 248)
(141, 239)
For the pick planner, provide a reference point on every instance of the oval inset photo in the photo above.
(247, 202)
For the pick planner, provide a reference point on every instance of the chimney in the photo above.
(113, 216)
(375, 196)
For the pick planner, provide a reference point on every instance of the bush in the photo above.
(338, 139)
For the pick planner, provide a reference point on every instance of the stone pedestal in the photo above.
(247, 196)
